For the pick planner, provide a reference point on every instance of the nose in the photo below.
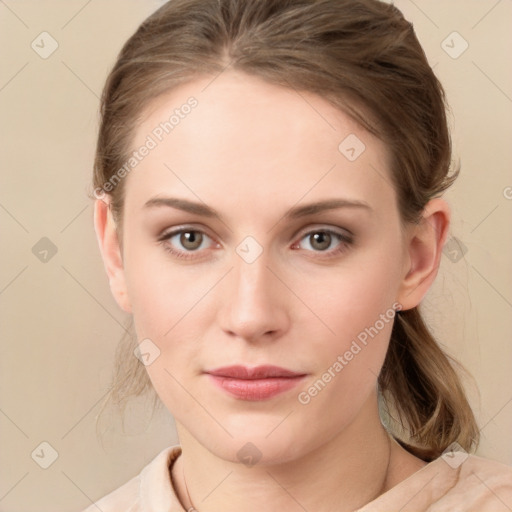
(254, 305)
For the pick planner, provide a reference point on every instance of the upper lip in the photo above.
(256, 372)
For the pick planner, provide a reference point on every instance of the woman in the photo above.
(268, 178)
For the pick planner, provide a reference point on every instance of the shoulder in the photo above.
(454, 481)
(468, 482)
(123, 499)
(482, 483)
(151, 489)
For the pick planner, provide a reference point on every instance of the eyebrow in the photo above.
(293, 213)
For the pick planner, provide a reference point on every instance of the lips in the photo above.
(257, 372)
(254, 384)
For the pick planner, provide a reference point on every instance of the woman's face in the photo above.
(256, 278)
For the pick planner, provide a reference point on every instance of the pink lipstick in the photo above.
(255, 384)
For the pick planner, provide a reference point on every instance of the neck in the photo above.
(342, 474)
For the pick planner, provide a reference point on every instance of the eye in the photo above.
(184, 242)
(325, 241)
(187, 242)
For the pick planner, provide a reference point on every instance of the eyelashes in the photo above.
(192, 242)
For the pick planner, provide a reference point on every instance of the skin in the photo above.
(252, 150)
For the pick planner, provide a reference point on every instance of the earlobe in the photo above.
(108, 240)
(424, 248)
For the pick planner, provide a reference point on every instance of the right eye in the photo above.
(184, 242)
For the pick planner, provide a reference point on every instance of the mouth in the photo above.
(254, 384)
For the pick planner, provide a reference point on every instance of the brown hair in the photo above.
(364, 58)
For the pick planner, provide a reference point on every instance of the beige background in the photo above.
(59, 323)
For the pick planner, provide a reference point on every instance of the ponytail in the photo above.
(419, 384)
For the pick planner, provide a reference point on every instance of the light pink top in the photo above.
(443, 485)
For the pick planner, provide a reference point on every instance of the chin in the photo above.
(251, 451)
(261, 446)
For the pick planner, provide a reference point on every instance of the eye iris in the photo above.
(323, 239)
(191, 240)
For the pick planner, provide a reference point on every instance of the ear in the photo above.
(106, 233)
(424, 249)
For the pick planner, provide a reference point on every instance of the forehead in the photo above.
(252, 142)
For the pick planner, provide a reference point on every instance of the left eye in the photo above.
(323, 239)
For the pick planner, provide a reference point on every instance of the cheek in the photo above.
(168, 309)
(353, 297)
(172, 306)
(161, 293)
(361, 311)
(359, 308)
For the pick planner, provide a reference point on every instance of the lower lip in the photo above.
(256, 389)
